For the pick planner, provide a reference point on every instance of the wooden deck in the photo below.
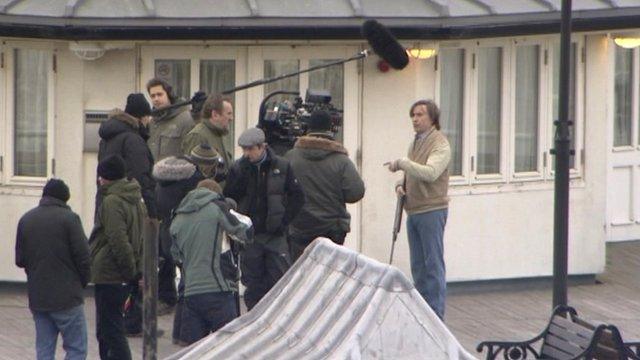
(472, 317)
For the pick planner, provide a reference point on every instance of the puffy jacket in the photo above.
(52, 248)
(197, 231)
(329, 180)
(116, 240)
(268, 193)
(122, 135)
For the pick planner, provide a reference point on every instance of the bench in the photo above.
(566, 337)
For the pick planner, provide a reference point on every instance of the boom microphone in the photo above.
(385, 44)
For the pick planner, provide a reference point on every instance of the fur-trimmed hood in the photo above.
(173, 169)
(118, 122)
(318, 148)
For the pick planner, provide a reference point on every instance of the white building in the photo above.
(64, 63)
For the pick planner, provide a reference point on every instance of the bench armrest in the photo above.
(511, 350)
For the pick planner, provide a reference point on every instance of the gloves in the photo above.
(229, 266)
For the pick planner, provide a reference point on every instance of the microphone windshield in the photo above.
(385, 44)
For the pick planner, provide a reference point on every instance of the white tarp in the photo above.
(334, 303)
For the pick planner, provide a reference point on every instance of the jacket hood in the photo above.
(196, 200)
(173, 169)
(128, 190)
(318, 148)
(118, 122)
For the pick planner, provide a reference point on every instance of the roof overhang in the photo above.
(308, 28)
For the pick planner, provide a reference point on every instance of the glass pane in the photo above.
(572, 95)
(215, 77)
(623, 97)
(31, 103)
(527, 75)
(452, 103)
(489, 109)
(177, 73)
(332, 80)
(274, 68)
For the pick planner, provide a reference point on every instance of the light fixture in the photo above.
(627, 42)
(419, 53)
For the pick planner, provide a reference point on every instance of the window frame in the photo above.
(8, 176)
(544, 171)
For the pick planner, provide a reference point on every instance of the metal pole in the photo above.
(150, 290)
(562, 153)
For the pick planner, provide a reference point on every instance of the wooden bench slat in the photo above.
(572, 327)
(549, 352)
(563, 345)
(562, 333)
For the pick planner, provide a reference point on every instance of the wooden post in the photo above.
(150, 290)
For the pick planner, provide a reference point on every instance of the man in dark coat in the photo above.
(52, 248)
(266, 189)
(124, 135)
(116, 254)
(329, 180)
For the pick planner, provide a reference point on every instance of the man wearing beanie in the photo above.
(217, 118)
(123, 134)
(52, 248)
(266, 189)
(329, 180)
(116, 253)
(169, 127)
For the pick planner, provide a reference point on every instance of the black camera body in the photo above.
(285, 121)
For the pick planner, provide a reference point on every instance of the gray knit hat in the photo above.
(251, 137)
(204, 154)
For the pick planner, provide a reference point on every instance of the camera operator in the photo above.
(265, 188)
(166, 131)
(329, 180)
(217, 115)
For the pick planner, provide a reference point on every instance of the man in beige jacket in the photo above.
(425, 185)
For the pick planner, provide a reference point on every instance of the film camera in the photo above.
(284, 121)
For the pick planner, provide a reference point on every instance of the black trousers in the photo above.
(297, 244)
(133, 316)
(109, 300)
(167, 270)
(263, 263)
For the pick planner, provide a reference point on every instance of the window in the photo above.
(489, 110)
(330, 79)
(527, 108)
(29, 106)
(498, 99)
(177, 73)
(623, 98)
(274, 68)
(452, 103)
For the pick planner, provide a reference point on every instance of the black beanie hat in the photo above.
(111, 168)
(137, 106)
(320, 121)
(56, 188)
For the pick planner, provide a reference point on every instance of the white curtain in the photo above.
(273, 68)
(489, 67)
(332, 80)
(452, 103)
(177, 73)
(31, 104)
(526, 111)
(623, 97)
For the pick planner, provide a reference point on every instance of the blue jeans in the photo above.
(206, 313)
(70, 323)
(426, 231)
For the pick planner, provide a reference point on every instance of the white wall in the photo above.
(492, 232)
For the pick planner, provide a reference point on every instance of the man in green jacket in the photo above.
(167, 130)
(217, 116)
(197, 228)
(116, 252)
(328, 179)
